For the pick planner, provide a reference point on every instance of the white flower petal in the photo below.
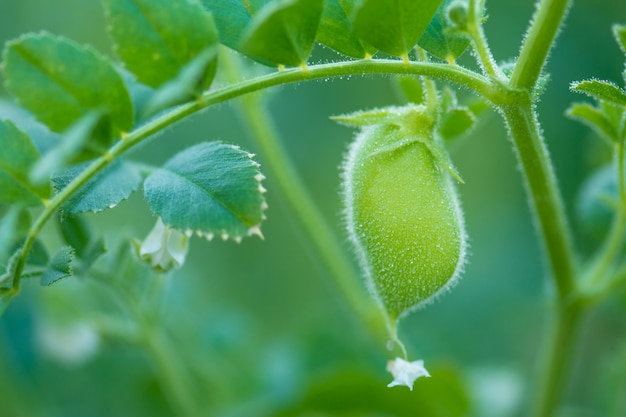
(164, 248)
(405, 372)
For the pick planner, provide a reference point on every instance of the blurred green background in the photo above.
(263, 320)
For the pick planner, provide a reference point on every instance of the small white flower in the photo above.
(164, 248)
(405, 373)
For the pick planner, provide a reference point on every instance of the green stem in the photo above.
(443, 71)
(611, 248)
(477, 34)
(557, 362)
(311, 220)
(544, 196)
(539, 40)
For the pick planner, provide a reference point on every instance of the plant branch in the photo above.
(539, 40)
(481, 47)
(443, 71)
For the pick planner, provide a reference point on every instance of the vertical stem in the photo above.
(556, 363)
(311, 220)
(539, 40)
(544, 196)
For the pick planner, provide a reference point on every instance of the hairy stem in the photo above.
(442, 71)
(539, 40)
(556, 364)
(477, 34)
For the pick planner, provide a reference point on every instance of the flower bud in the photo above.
(164, 248)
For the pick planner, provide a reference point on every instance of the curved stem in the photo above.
(311, 220)
(481, 47)
(443, 71)
(539, 40)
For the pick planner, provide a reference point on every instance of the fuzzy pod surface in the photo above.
(401, 208)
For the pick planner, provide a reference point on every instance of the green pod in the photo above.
(401, 208)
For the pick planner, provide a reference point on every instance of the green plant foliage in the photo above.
(60, 266)
(335, 31)
(456, 122)
(283, 31)
(619, 31)
(14, 224)
(272, 32)
(88, 246)
(211, 189)
(61, 81)
(107, 189)
(17, 156)
(72, 144)
(410, 89)
(393, 26)
(600, 90)
(440, 39)
(156, 39)
(595, 118)
(188, 84)
(597, 201)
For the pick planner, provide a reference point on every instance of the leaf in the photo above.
(231, 18)
(595, 119)
(60, 266)
(106, 189)
(393, 26)
(13, 226)
(600, 90)
(188, 84)
(456, 122)
(157, 38)
(410, 89)
(61, 81)
(17, 156)
(38, 254)
(335, 31)
(210, 188)
(88, 247)
(619, 31)
(72, 143)
(439, 40)
(283, 31)
(8, 276)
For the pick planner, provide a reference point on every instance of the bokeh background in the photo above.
(263, 321)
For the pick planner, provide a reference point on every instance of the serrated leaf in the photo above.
(60, 266)
(283, 31)
(600, 90)
(335, 31)
(438, 38)
(70, 146)
(188, 84)
(593, 118)
(60, 81)
(619, 32)
(393, 26)
(88, 247)
(210, 188)
(456, 122)
(17, 156)
(106, 189)
(157, 38)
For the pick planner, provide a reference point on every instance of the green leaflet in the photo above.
(393, 26)
(277, 32)
(17, 156)
(335, 31)
(157, 38)
(456, 122)
(60, 266)
(619, 31)
(14, 224)
(600, 90)
(61, 81)
(211, 189)
(108, 188)
(438, 38)
(594, 118)
(88, 246)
